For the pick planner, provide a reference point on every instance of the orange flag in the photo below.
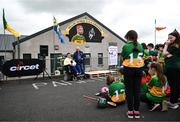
(160, 28)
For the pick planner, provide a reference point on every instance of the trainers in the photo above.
(173, 105)
(164, 105)
(155, 107)
(137, 114)
(130, 114)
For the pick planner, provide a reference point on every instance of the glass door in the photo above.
(56, 63)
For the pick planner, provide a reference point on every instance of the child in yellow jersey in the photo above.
(156, 87)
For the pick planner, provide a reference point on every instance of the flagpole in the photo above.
(54, 51)
(155, 32)
(54, 47)
(5, 42)
(18, 46)
(4, 76)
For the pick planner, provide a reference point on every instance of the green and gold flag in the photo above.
(9, 28)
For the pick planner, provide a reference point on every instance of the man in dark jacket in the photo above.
(79, 59)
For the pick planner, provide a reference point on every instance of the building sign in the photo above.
(113, 55)
(23, 67)
(82, 31)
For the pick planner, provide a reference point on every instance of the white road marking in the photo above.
(37, 85)
(60, 83)
(66, 82)
(55, 84)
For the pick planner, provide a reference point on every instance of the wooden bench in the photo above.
(102, 73)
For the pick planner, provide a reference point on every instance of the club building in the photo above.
(94, 41)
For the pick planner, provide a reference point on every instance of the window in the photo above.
(43, 50)
(100, 58)
(26, 56)
(87, 58)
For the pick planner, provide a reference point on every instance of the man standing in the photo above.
(79, 59)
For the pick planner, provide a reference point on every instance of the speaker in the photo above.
(44, 50)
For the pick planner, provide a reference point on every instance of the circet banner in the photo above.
(23, 67)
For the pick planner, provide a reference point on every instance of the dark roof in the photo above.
(6, 41)
(64, 22)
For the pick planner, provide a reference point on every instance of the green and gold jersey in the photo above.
(156, 90)
(117, 91)
(78, 39)
(130, 58)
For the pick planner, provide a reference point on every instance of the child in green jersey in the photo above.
(156, 87)
(132, 53)
(116, 89)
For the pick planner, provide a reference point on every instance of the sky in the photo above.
(31, 16)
